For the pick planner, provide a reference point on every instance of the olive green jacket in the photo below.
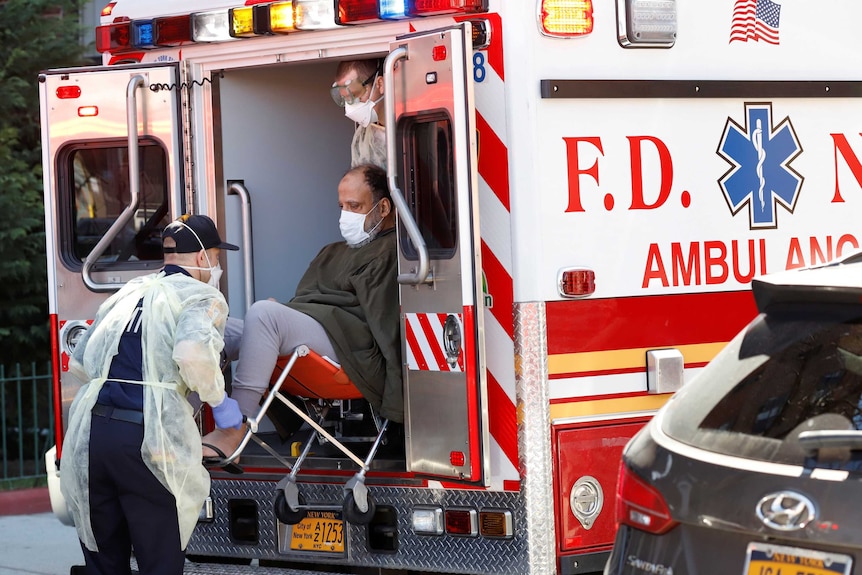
(353, 293)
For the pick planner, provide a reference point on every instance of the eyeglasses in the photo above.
(350, 91)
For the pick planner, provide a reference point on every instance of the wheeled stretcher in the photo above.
(320, 383)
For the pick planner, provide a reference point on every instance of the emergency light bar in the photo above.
(357, 11)
(211, 26)
(241, 22)
(261, 18)
(114, 37)
(314, 14)
(281, 18)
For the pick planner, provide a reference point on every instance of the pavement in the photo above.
(32, 539)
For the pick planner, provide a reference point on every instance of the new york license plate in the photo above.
(767, 559)
(319, 531)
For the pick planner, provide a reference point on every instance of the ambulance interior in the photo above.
(278, 131)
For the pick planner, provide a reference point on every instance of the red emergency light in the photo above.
(356, 11)
(434, 7)
(461, 522)
(113, 37)
(172, 31)
(577, 282)
(106, 11)
(68, 92)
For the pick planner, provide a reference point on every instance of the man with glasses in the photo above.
(358, 88)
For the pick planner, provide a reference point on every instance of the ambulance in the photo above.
(584, 189)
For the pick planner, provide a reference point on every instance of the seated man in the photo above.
(345, 307)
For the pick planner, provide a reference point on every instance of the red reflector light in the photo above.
(106, 11)
(114, 37)
(172, 31)
(68, 92)
(456, 458)
(639, 505)
(88, 111)
(356, 11)
(438, 53)
(577, 283)
(461, 521)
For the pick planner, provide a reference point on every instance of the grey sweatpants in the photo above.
(270, 329)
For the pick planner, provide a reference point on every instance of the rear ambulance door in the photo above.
(432, 159)
(103, 227)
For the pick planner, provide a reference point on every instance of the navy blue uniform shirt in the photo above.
(129, 361)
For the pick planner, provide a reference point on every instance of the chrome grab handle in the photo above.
(239, 189)
(421, 274)
(136, 82)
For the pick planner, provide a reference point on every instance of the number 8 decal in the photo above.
(479, 67)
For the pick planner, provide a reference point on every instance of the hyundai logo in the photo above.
(785, 511)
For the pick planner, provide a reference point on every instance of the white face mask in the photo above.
(363, 113)
(214, 270)
(352, 226)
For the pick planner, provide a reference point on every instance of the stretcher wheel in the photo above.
(352, 512)
(283, 511)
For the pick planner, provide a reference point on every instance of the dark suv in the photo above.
(755, 467)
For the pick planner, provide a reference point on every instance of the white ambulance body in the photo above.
(592, 210)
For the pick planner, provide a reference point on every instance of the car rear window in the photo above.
(796, 369)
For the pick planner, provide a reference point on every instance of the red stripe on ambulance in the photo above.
(647, 321)
(504, 423)
(493, 161)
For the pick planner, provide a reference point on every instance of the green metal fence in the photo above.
(26, 420)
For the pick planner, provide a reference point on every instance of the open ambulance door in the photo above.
(431, 139)
(113, 180)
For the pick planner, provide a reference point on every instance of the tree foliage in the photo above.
(34, 35)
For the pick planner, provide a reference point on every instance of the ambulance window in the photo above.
(97, 184)
(431, 184)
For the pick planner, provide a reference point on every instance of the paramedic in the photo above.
(345, 307)
(358, 88)
(131, 468)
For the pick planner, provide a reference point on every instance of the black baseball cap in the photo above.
(193, 233)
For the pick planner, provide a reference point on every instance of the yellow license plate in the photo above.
(319, 531)
(766, 559)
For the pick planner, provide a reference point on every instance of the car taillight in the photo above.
(640, 505)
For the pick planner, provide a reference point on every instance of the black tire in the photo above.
(352, 512)
(283, 511)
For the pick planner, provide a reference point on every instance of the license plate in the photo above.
(319, 531)
(766, 559)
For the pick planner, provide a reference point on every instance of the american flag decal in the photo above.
(755, 20)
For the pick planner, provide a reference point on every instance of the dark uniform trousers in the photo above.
(129, 507)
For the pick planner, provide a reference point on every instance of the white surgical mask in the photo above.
(215, 275)
(363, 113)
(352, 226)
(214, 270)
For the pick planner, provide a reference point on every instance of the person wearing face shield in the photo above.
(358, 88)
(131, 469)
(345, 308)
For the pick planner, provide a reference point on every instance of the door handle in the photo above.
(137, 81)
(421, 275)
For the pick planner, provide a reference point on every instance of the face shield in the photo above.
(351, 91)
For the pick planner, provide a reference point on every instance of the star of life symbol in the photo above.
(761, 175)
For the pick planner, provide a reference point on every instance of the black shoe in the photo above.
(78, 570)
(284, 419)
